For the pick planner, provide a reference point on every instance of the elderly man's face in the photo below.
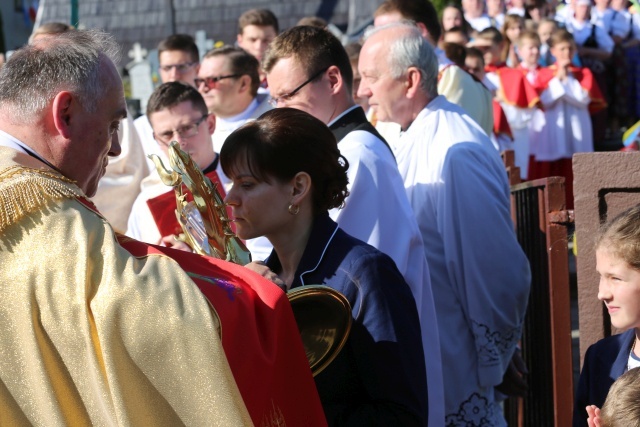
(385, 93)
(95, 134)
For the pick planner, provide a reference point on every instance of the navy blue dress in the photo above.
(379, 378)
(604, 362)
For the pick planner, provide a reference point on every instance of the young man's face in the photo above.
(563, 52)
(256, 39)
(529, 51)
(314, 97)
(188, 126)
(178, 66)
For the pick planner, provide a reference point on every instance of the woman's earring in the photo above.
(294, 209)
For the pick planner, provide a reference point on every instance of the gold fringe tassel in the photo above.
(25, 190)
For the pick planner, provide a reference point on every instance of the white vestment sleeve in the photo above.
(488, 270)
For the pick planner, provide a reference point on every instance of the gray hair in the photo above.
(411, 50)
(71, 61)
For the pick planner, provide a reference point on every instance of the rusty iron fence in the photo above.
(538, 210)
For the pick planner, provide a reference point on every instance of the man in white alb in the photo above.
(458, 190)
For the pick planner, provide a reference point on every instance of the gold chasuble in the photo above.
(91, 334)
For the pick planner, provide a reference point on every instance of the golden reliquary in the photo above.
(323, 314)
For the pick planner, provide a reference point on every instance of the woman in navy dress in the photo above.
(287, 172)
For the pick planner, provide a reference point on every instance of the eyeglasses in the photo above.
(185, 132)
(210, 82)
(181, 68)
(287, 96)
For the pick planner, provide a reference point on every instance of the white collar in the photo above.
(231, 122)
(348, 110)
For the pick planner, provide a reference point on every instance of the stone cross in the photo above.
(140, 75)
(137, 53)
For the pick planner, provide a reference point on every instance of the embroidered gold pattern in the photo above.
(24, 190)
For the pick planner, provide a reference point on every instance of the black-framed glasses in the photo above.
(181, 68)
(184, 132)
(274, 101)
(210, 82)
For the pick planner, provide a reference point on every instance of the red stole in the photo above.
(500, 122)
(583, 75)
(515, 89)
(259, 335)
(163, 207)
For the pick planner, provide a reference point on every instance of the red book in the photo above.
(163, 207)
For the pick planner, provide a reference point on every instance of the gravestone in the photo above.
(204, 44)
(140, 74)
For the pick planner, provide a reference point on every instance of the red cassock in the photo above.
(500, 122)
(582, 75)
(515, 89)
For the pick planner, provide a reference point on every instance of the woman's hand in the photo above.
(171, 241)
(262, 269)
(594, 416)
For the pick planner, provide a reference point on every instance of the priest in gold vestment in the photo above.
(93, 332)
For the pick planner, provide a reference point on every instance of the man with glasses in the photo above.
(307, 68)
(179, 62)
(177, 112)
(228, 81)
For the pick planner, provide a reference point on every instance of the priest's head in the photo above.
(63, 98)
(399, 72)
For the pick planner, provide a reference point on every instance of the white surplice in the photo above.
(120, 185)
(377, 212)
(457, 186)
(565, 126)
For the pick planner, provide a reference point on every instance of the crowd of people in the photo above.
(373, 169)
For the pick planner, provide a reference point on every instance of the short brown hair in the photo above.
(560, 35)
(421, 11)
(529, 35)
(241, 62)
(621, 407)
(492, 34)
(259, 18)
(170, 94)
(283, 142)
(182, 43)
(313, 48)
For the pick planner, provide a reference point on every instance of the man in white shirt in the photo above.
(179, 62)
(474, 14)
(454, 83)
(177, 112)
(308, 69)
(228, 80)
(256, 30)
(457, 186)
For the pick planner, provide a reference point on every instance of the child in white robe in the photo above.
(566, 94)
